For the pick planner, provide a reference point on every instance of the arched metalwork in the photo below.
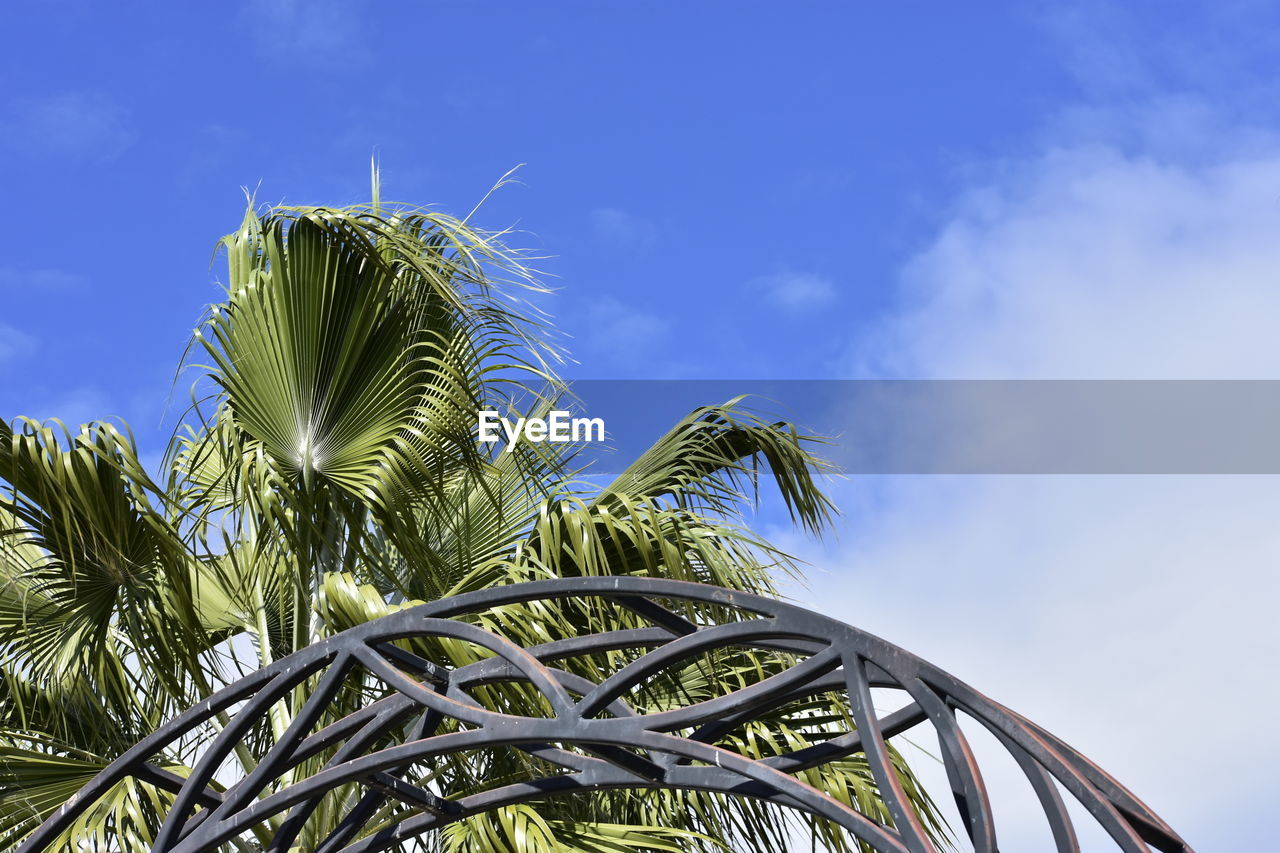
(589, 731)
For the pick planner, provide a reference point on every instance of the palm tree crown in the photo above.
(328, 474)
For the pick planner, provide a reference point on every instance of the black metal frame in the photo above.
(602, 743)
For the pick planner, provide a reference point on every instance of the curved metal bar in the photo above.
(1124, 799)
(600, 740)
(524, 662)
(746, 698)
(1095, 801)
(358, 743)
(679, 649)
(962, 769)
(130, 761)
(686, 778)
(878, 757)
(1055, 810)
(222, 745)
(812, 800)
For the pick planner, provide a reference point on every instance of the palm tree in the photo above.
(328, 474)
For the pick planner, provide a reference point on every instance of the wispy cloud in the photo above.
(1140, 243)
(315, 33)
(623, 230)
(80, 125)
(14, 344)
(795, 292)
(46, 279)
(1090, 263)
(1186, 88)
(622, 333)
(79, 405)
(1084, 603)
(73, 406)
(216, 145)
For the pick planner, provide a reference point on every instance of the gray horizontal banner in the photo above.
(967, 427)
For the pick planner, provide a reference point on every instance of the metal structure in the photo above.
(591, 733)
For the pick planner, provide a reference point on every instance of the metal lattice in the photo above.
(590, 732)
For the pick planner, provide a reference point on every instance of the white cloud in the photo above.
(81, 125)
(14, 344)
(1088, 263)
(317, 33)
(622, 333)
(73, 406)
(1113, 611)
(1133, 616)
(39, 279)
(795, 292)
(623, 230)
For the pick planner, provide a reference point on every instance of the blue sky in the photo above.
(754, 190)
(726, 190)
(700, 173)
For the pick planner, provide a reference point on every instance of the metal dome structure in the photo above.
(590, 732)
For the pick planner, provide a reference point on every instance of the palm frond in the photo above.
(707, 461)
(330, 476)
(85, 559)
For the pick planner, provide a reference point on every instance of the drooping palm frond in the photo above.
(86, 559)
(38, 775)
(707, 460)
(94, 652)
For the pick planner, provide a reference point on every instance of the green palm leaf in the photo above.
(329, 476)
